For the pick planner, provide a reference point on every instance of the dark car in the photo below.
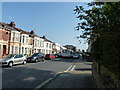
(36, 57)
(49, 56)
(58, 55)
(76, 55)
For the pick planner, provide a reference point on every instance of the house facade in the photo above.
(20, 41)
(9, 39)
(47, 46)
(56, 48)
(4, 40)
(37, 48)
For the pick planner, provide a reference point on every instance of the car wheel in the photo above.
(24, 62)
(36, 60)
(43, 59)
(10, 64)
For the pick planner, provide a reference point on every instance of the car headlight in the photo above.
(34, 57)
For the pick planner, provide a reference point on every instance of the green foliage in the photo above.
(101, 25)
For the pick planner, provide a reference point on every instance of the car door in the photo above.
(16, 59)
(41, 56)
(21, 58)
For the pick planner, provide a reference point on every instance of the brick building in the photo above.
(4, 40)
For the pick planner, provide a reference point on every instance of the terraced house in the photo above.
(24, 41)
(4, 39)
(14, 40)
(37, 42)
(47, 46)
(9, 39)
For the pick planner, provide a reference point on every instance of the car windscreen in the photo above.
(76, 54)
(35, 54)
(10, 56)
(47, 55)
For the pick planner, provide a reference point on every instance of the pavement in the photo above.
(79, 77)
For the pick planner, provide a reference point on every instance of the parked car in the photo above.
(76, 55)
(14, 59)
(49, 56)
(36, 57)
(58, 55)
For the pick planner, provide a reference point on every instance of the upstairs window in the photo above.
(12, 36)
(46, 44)
(23, 39)
(16, 50)
(26, 39)
(17, 37)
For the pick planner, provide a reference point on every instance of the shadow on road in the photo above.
(72, 80)
(83, 69)
(23, 77)
(68, 60)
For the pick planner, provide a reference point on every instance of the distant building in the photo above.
(62, 48)
(70, 47)
(56, 48)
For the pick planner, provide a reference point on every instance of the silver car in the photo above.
(14, 59)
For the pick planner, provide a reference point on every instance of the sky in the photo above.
(55, 20)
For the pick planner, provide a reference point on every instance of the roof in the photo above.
(22, 31)
(6, 26)
(46, 39)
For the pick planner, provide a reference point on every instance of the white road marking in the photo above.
(68, 69)
(73, 68)
(42, 84)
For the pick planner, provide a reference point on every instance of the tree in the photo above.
(101, 24)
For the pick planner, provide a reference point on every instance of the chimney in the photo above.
(12, 24)
(32, 32)
(44, 37)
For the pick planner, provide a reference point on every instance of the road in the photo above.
(32, 75)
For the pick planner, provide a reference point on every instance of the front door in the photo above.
(4, 50)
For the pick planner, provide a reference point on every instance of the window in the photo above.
(41, 44)
(50, 46)
(26, 39)
(17, 56)
(23, 39)
(12, 36)
(16, 50)
(46, 51)
(22, 50)
(46, 44)
(12, 49)
(25, 50)
(35, 42)
(21, 55)
(17, 37)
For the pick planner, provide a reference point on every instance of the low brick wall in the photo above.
(104, 78)
(95, 73)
